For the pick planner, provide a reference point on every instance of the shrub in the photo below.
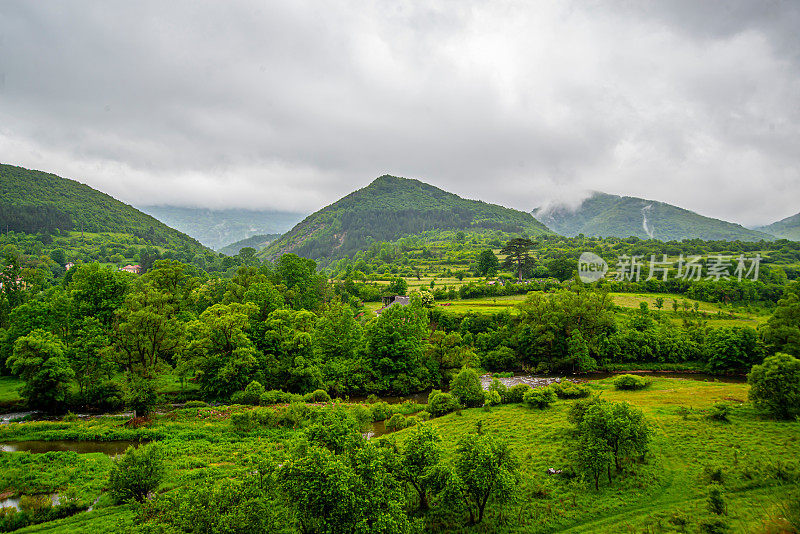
(424, 416)
(631, 382)
(466, 388)
(293, 415)
(195, 404)
(442, 403)
(276, 396)
(492, 398)
(252, 393)
(500, 388)
(318, 395)
(719, 412)
(501, 358)
(397, 422)
(540, 397)
(516, 393)
(136, 473)
(381, 411)
(242, 421)
(775, 386)
(571, 390)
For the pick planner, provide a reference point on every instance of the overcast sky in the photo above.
(290, 105)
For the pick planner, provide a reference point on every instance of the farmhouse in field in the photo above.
(135, 269)
(391, 300)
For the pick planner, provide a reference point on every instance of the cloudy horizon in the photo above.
(291, 105)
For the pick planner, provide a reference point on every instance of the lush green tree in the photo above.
(288, 343)
(548, 321)
(562, 266)
(223, 357)
(420, 460)
(447, 353)
(593, 457)
(578, 351)
(304, 285)
(733, 348)
(488, 264)
(539, 397)
(147, 331)
(517, 253)
(136, 473)
(775, 385)
(398, 286)
(782, 331)
(140, 395)
(466, 388)
(485, 468)
(97, 291)
(351, 493)
(442, 403)
(90, 358)
(396, 349)
(265, 297)
(39, 360)
(620, 425)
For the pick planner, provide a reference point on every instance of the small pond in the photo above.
(110, 448)
(13, 502)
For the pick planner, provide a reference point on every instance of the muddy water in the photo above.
(110, 448)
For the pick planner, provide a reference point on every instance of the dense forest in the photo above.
(48, 202)
(390, 208)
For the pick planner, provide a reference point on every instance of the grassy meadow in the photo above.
(757, 459)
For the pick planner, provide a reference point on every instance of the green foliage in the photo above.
(631, 382)
(318, 395)
(39, 360)
(395, 349)
(48, 202)
(390, 208)
(516, 393)
(775, 386)
(136, 473)
(539, 397)
(593, 457)
(570, 390)
(396, 422)
(618, 424)
(140, 395)
(782, 331)
(487, 264)
(716, 500)
(466, 388)
(442, 403)
(517, 253)
(485, 469)
(733, 349)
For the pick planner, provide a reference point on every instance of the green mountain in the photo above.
(605, 215)
(392, 207)
(257, 242)
(788, 228)
(39, 202)
(218, 228)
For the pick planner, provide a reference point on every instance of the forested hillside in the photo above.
(392, 207)
(605, 215)
(788, 228)
(35, 202)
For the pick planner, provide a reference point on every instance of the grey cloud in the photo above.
(289, 105)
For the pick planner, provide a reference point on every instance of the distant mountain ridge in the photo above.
(39, 201)
(219, 228)
(788, 228)
(392, 207)
(257, 242)
(607, 215)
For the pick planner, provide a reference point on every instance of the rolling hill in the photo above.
(257, 242)
(605, 215)
(35, 201)
(788, 228)
(392, 207)
(218, 228)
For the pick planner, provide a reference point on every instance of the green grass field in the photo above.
(9, 390)
(758, 458)
(669, 486)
